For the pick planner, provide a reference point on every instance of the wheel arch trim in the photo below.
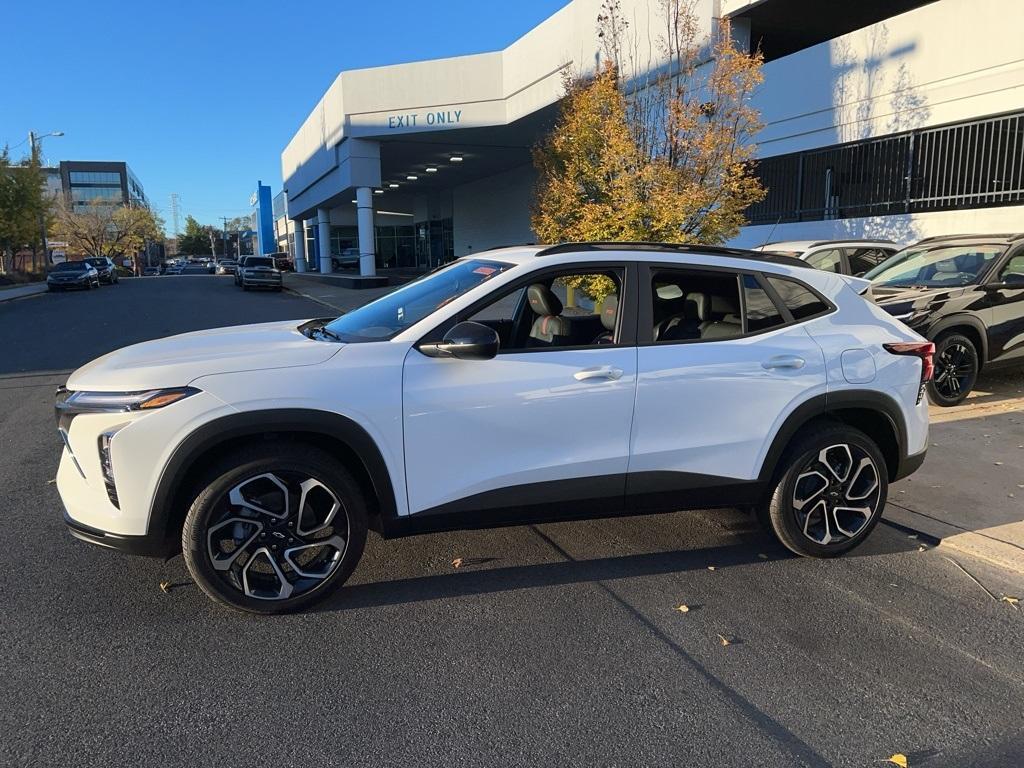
(255, 424)
(952, 322)
(833, 403)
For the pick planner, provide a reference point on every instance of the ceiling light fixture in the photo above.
(392, 186)
(378, 191)
(431, 169)
(412, 177)
(455, 158)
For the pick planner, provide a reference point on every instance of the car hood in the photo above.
(898, 300)
(178, 360)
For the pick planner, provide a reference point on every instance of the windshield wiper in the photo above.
(328, 332)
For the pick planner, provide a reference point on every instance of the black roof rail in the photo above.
(1007, 236)
(712, 250)
(816, 243)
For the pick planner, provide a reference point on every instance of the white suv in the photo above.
(516, 385)
(846, 257)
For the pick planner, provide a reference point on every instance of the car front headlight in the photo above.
(70, 404)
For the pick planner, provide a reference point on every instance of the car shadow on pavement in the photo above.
(752, 546)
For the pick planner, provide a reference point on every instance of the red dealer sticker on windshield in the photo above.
(488, 271)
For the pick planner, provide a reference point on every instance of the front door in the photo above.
(1005, 298)
(542, 427)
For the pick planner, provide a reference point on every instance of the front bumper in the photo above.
(262, 281)
(148, 546)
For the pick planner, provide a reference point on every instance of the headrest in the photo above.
(946, 265)
(543, 301)
(720, 305)
(669, 291)
(609, 311)
(696, 307)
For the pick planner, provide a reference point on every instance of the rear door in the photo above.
(708, 404)
(1005, 299)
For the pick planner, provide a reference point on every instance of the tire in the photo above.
(794, 513)
(245, 476)
(956, 370)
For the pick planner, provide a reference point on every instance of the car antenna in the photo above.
(771, 231)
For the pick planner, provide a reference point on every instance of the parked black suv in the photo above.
(965, 293)
(106, 269)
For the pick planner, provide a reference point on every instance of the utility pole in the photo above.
(33, 141)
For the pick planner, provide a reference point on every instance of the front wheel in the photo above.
(275, 528)
(956, 370)
(829, 493)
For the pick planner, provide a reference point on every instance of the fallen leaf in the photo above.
(898, 759)
(1014, 601)
(724, 640)
(165, 587)
(762, 555)
(683, 608)
(457, 562)
(51, 482)
(922, 548)
(998, 463)
(912, 536)
(711, 567)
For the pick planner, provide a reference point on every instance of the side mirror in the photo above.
(466, 341)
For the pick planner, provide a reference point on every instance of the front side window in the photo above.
(575, 309)
(695, 305)
(1013, 272)
(935, 267)
(863, 259)
(391, 314)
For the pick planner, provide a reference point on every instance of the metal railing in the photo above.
(977, 163)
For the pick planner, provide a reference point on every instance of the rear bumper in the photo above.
(909, 465)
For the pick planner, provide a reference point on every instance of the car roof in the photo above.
(525, 254)
(804, 245)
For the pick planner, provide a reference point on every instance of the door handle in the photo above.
(600, 372)
(783, 361)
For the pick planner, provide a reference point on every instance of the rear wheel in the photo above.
(274, 528)
(829, 493)
(956, 370)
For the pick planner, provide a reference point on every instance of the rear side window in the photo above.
(828, 261)
(801, 301)
(761, 311)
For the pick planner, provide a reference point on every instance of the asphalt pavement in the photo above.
(556, 644)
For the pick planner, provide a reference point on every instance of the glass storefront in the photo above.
(435, 244)
(405, 246)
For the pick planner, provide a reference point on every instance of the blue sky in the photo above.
(200, 97)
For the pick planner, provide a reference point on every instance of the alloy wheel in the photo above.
(277, 535)
(836, 494)
(954, 368)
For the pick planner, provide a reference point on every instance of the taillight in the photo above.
(922, 349)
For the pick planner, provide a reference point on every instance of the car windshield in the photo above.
(97, 262)
(71, 266)
(259, 262)
(392, 314)
(935, 266)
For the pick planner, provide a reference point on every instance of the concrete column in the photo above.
(323, 217)
(300, 245)
(364, 218)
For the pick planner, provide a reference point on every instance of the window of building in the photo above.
(94, 177)
(800, 300)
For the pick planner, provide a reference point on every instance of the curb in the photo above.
(949, 537)
(37, 290)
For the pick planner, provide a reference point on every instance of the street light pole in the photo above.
(33, 141)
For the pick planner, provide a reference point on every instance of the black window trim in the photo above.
(626, 324)
(645, 316)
